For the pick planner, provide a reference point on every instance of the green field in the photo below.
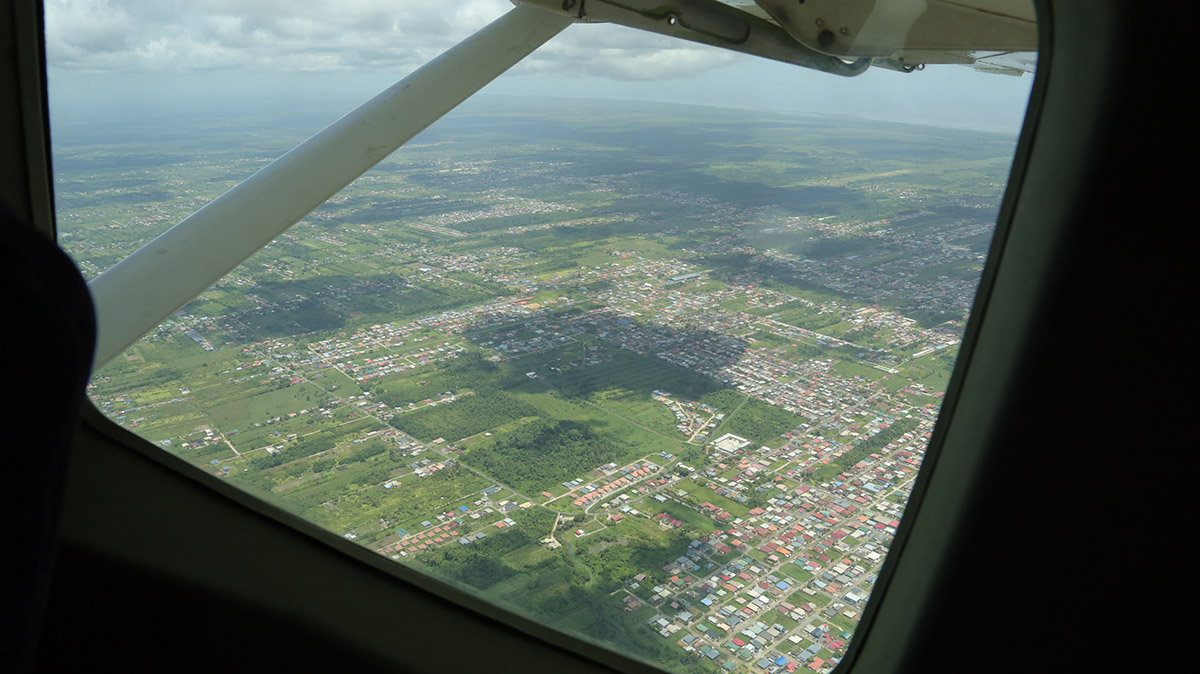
(703, 494)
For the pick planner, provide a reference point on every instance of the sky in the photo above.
(108, 56)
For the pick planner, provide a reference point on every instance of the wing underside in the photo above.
(839, 36)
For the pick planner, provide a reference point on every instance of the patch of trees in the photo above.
(558, 603)
(297, 449)
(366, 451)
(313, 316)
(470, 371)
(541, 454)
(478, 564)
(875, 443)
(633, 552)
(322, 465)
(506, 221)
(423, 301)
(725, 399)
(760, 422)
(315, 444)
(464, 417)
(635, 373)
(928, 317)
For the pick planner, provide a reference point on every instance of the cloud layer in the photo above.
(332, 35)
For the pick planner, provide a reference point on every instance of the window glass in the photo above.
(648, 348)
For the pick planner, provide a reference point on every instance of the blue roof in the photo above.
(781, 585)
(781, 661)
(463, 508)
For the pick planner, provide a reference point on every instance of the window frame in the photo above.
(879, 623)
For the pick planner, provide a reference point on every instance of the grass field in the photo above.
(638, 441)
(700, 523)
(702, 494)
(241, 414)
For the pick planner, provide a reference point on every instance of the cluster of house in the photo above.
(901, 276)
(479, 317)
(430, 469)
(485, 262)
(731, 623)
(816, 550)
(414, 543)
(507, 207)
(596, 491)
(535, 337)
(695, 419)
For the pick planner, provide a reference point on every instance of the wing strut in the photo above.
(142, 290)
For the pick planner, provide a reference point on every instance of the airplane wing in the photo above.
(1005, 63)
(838, 36)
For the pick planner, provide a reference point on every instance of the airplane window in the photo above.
(646, 341)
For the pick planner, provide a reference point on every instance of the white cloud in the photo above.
(165, 36)
(622, 53)
(174, 35)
